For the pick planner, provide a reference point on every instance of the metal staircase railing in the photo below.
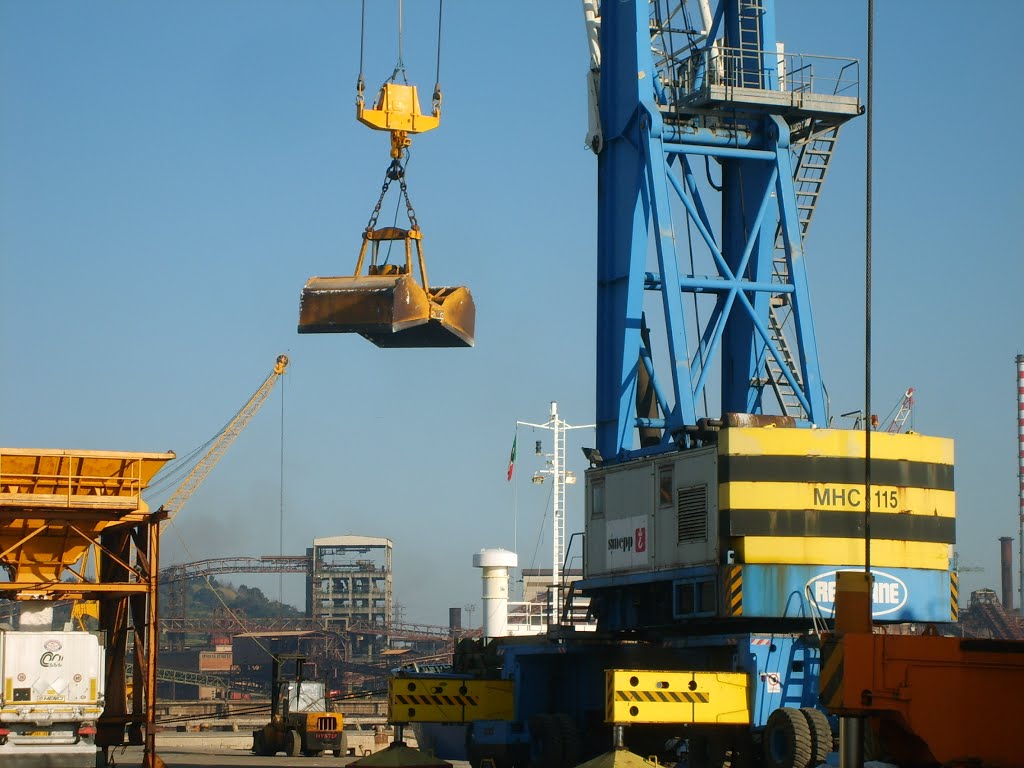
(813, 158)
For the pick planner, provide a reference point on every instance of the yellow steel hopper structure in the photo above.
(55, 504)
(58, 506)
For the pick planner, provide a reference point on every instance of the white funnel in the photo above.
(495, 564)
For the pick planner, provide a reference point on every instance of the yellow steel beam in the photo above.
(757, 441)
(827, 551)
(838, 497)
(448, 700)
(74, 479)
(69, 589)
(657, 696)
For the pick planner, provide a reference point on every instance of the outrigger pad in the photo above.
(389, 310)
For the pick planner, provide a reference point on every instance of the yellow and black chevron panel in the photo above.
(448, 700)
(734, 591)
(954, 596)
(656, 696)
(797, 496)
(830, 683)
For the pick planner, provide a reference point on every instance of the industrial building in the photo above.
(350, 586)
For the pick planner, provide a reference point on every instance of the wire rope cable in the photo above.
(400, 64)
(867, 287)
(280, 535)
(360, 83)
(437, 72)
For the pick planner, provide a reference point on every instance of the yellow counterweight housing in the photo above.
(449, 700)
(655, 696)
(797, 496)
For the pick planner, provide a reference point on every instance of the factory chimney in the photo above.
(494, 565)
(454, 619)
(1020, 475)
(1006, 561)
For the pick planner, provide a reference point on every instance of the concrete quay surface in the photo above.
(192, 753)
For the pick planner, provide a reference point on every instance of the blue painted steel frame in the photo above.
(643, 169)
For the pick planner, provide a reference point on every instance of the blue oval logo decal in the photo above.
(889, 593)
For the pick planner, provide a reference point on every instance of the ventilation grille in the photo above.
(327, 724)
(692, 505)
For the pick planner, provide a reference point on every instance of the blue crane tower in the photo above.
(685, 95)
(716, 522)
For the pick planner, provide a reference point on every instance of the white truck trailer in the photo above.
(51, 698)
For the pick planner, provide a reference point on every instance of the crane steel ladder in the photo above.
(813, 159)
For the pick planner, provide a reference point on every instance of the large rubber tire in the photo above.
(821, 734)
(294, 742)
(872, 743)
(547, 742)
(259, 745)
(787, 740)
(572, 740)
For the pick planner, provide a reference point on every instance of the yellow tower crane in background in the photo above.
(220, 444)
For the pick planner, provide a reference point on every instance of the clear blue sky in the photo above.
(171, 173)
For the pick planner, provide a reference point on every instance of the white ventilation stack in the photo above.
(494, 565)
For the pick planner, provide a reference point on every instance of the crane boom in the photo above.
(223, 441)
(903, 409)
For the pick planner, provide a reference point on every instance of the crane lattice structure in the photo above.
(215, 450)
(220, 444)
(903, 410)
(683, 95)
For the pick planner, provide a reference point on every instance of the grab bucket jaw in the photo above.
(389, 310)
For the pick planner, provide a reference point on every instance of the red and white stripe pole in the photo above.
(1020, 476)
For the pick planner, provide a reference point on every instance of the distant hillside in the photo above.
(247, 601)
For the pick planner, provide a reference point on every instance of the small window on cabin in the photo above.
(665, 486)
(597, 498)
(706, 601)
(684, 599)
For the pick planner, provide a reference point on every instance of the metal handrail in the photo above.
(818, 620)
(742, 68)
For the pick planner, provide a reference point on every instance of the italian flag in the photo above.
(512, 458)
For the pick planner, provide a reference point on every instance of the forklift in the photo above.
(301, 720)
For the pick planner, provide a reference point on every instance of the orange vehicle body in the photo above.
(931, 699)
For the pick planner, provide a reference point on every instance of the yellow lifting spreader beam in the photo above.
(449, 700)
(656, 696)
(398, 110)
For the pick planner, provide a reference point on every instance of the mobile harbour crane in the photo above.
(712, 544)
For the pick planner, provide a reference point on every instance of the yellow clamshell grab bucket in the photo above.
(387, 305)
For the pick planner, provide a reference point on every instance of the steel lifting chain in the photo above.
(395, 171)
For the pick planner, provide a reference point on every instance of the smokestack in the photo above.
(1006, 560)
(1020, 474)
(494, 565)
(454, 619)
